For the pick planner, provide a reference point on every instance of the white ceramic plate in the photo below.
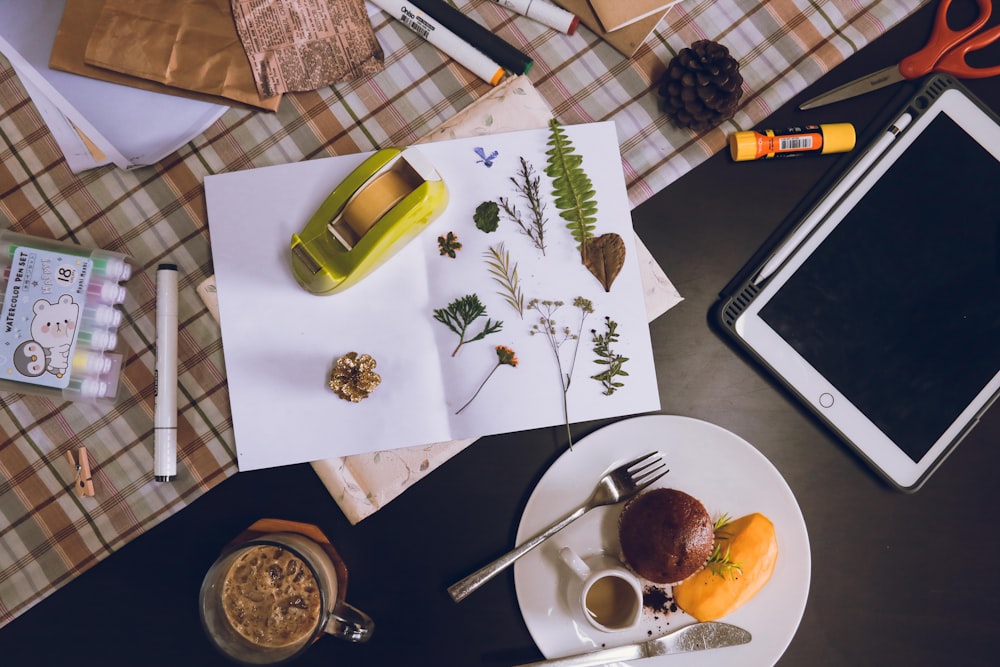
(722, 470)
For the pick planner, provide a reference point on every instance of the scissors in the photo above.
(945, 52)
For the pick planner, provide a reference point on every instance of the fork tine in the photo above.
(641, 459)
(642, 484)
(654, 464)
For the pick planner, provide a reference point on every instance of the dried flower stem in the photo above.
(557, 336)
(505, 357)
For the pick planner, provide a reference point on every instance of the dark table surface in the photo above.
(896, 578)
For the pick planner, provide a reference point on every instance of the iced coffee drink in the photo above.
(270, 597)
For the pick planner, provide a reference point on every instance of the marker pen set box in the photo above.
(60, 321)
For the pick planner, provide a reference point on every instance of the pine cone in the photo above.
(702, 86)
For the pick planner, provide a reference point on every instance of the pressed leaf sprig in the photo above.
(460, 314)
(571, 187)
(604, 256)
(719, 561)
(527, 183)
(504, 273)
(608, 357)
(505, 357)
(448, 245)
(557, 335)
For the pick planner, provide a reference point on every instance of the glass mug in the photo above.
(607, 594)
(265, 601)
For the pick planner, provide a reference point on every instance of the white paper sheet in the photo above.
(131, 126)
(280, 342)
(78, 156)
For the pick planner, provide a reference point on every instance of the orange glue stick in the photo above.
(792, 142)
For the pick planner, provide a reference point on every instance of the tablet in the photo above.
(880, 309)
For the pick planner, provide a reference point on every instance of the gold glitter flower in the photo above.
(353, 377)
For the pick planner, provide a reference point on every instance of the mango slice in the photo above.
(708, 596)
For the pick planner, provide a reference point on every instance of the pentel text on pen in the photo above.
(443, 39)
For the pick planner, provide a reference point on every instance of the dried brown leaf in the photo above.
(604, 256)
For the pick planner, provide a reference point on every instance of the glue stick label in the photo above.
(43, 300)
(792, 142)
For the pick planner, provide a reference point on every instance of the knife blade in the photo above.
(695, 637)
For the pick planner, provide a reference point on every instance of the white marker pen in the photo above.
(445, 40)
(544, 12)
(165, 411)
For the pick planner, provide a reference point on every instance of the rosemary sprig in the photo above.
(719, 562)
(608, 357)
(528, 184)
(462, 312)
(505, 274)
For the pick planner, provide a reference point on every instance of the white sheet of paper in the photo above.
(78, 156)
(280, 342)
(133, 127)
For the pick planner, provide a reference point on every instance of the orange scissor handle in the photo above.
(954, 61)
(943, 39)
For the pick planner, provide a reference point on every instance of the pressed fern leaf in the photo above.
(572, 189)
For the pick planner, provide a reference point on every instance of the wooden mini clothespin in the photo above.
(82, 483)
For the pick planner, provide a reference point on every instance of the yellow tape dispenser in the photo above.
(382, 205)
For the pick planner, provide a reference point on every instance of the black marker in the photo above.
(478, 36)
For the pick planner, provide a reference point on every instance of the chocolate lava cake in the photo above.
(666, 535)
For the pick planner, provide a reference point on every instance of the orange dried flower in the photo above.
(505, 357)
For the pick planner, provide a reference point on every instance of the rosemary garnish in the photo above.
(462, 312)
(719, 562)
(505, 274)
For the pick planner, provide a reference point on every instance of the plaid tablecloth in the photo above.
(48, 535)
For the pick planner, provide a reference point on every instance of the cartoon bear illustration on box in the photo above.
(54, 327)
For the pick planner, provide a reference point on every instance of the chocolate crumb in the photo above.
(657, 600)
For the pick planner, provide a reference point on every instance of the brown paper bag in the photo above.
(78, 21)
(187, 44)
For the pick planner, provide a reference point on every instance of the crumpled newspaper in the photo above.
(299, 45)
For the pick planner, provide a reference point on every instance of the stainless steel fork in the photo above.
(616, 486)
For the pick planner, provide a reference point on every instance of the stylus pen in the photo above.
(830, 201)
(165, 410)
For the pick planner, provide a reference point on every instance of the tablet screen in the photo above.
(899, 307)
